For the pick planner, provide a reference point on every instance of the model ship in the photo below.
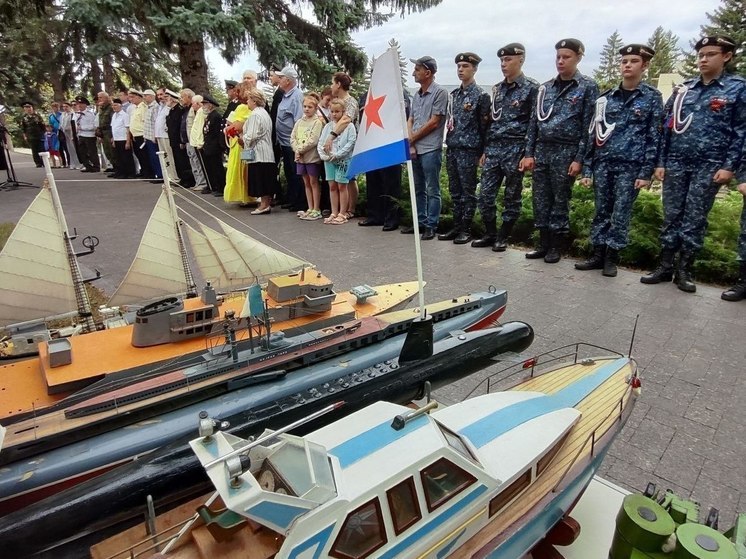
(488, 477)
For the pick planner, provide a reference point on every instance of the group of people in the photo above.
(564, 130)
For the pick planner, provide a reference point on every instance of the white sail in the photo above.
(207, 260)
(263, 261)
(35, 277)
(158, 268)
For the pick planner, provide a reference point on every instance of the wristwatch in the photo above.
(335, 134)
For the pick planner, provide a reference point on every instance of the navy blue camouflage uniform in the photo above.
(714, 140)
(512, 105)
(469, 109)
(557, 141)
(628, 154)
(741, 178)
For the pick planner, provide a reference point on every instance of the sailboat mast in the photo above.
(188, 275)
(81, 296)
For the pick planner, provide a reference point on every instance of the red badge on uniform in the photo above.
(717, 103)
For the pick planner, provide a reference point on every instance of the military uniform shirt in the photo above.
(32, 125)
(718, 127)
(467, 118)
(512, 105)
(572, 109)
(105, 113)
(637, 130)
(86, 124)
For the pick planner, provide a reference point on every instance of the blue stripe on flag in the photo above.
(378, 158)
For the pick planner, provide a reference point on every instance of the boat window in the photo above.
(200, 314)
(545, 460)
(405, 510)
(510, 492)
(442, 481)
(190, 317)
(361, 534)
(455, 442)
(208, 314)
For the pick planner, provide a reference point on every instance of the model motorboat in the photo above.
(488, 477)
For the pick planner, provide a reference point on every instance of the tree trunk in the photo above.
(193, 65)
(109, 84)
(95, 76)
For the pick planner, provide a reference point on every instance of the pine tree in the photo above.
(393, 43)
(608, 75)
(667, 54)
(727, 19)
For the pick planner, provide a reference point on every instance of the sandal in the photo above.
(349, 215)
(330, 219)
(339, 220)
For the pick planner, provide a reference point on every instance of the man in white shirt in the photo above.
(86, 125)
(124, 162)
(161, 134)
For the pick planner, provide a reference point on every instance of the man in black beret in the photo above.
(511, 104)
(214, 146)
(467, 118)
(622, 154)
(85, 124)
(703, 141)
(33, 130)
(556, 145)
(231, 90)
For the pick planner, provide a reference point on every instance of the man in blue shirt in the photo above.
(621, 157)
(556, 145)
(426, 125)
(289, 111)
(703, 139)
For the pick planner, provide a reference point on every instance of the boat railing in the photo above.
(539, 364)
(156, 544)
(595, 436)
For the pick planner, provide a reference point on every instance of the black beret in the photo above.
(210, 99)
(722, 41)
(274, 67)
(116, 100)
(572, 44)
(27, 104)
(640, 50)
(230, 84)
(469, 57)
(511, 49)
(81, 99)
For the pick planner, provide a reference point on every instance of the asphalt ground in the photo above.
(688, 430)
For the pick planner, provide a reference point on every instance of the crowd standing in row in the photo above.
(561, 131)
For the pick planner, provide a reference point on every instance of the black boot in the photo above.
(684, 274)
(464, 235)
(490, 234)
(501, 243)
(543, 248)
(664, 271)
(738, 291)
(554, 254)
(450, 234)
(595, 261)
(610, 262)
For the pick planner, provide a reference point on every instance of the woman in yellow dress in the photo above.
(236, 179)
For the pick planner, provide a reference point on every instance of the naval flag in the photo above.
(382, 140)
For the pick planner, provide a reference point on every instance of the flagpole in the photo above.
(417, 243)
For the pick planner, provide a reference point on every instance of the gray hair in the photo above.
(188, 92)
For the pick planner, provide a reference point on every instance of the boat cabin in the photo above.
(362, 488)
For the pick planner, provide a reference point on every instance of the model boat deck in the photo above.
(33, 384)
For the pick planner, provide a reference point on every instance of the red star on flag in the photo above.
(372, 108)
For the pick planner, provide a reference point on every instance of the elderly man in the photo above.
(177, 149)
(289, 111)
(426, 126)
(213, 147)
(186, 98)
(85, 124)
(250, 78)
(33, 129)
(103, 132)
(137, 112)
(161, 133)
(149, 134)
(124, 166)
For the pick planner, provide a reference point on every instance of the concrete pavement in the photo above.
(688, 431)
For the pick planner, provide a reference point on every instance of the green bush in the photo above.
(716, 262)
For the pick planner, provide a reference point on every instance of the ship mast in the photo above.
(188, 275)
(81, 296)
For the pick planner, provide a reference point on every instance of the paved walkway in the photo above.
(688, 431)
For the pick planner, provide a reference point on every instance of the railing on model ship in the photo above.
(542, 359)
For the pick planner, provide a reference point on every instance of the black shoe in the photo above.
(156, 181)
(543, 248)
(390, 227)
(408, 230)
(595, 261)
(449, 235)
(205, 190)
(462, 238)
(554, 253)
(552, 256)
(369, 223)
(428, 234)
(87, 170)
(684, 276)
(664, 271)
(285, 206)
(484, 241)
(501, 244)
(610, 262)
(217, 194)
(738, 291)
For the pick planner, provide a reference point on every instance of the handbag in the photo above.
(248, 155)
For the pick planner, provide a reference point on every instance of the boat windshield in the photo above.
(457, 443)
(304, 468)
